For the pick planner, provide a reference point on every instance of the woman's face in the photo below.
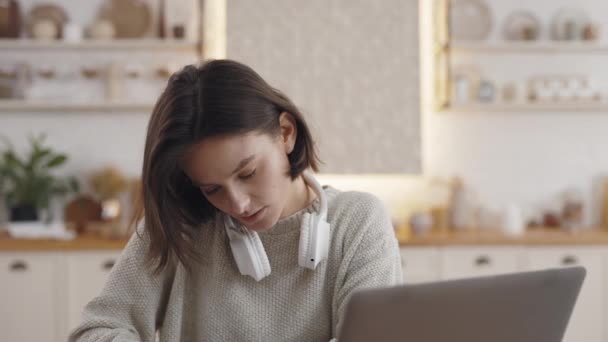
(245, 176)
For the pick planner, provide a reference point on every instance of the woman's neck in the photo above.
(301, 196)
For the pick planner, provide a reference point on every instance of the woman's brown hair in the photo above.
(218, 97)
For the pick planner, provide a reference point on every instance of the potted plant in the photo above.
(29, 184)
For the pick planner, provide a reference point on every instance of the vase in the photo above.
(24, 212)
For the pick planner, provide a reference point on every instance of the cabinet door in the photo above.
(30, 310)
(420, 264)
(87, 274)
(465, 262)
(586, 320)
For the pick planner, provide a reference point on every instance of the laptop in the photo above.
(522, 307)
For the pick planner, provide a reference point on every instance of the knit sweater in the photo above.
(217, 303)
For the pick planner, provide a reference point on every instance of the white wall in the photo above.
(524, 158)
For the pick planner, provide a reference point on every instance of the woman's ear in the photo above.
(289, 131)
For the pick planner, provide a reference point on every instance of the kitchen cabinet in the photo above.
(43, 294)
(420, 265)
(458, 262)
(30, 293)
(87, 273)
(586, 322)
(588, 319)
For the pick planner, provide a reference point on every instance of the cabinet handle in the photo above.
(18, 266)
(569, 260)
(108, 265)
(482, 260)
(402, 261)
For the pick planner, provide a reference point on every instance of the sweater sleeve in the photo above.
(370, 253)
(131, 303)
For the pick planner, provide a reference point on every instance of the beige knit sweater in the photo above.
(217, 303)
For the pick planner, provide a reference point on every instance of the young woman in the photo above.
(240, 243)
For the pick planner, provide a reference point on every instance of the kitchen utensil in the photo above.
(469, 20)
(521, 25)
(590, 32)
(509, 92)
(72, 33)
(131, 18)
(485, 92)
(10, 19)
(181, 18)
(44, 29)
(466, 82)
(102, 29)
(421, 223)
(512, 221)
(51, 12)
(569, 23)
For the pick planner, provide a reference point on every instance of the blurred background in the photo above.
(479, 123)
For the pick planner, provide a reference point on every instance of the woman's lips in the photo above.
(253, 217)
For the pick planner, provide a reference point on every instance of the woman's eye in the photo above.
(247, 176)
(211, 191)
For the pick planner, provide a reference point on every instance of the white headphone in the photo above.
(249, 253)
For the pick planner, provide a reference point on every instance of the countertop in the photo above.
(80, 243)
(536, 236)
(540, 237)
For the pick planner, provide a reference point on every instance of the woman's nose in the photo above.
(238, 202)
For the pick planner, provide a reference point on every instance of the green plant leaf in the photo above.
(37, 157)
(74, 185)
(11, 159)
(58, 160)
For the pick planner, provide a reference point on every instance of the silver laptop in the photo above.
(518, 307)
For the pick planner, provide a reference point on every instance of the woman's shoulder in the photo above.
(356, 216)
(357, 203)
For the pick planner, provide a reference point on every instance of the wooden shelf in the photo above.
(529, 108)
(55, 106)
(116, 44)
(542, 47)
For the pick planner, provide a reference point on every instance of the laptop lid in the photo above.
(523, 307)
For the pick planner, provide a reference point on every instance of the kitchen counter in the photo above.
(537, 236)
(540, 237)
(80, 243)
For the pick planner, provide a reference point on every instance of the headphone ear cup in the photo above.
(304, 247)
(260, 253)
(249, 254)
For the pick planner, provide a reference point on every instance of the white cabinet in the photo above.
(464, 262)
(586, 322)
(43, 294)
(30, 293)
(420, 264)
(87, 274)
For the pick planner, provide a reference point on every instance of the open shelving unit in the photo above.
(115, 44)
(533, 47)
(446, 49)
(60, 106)
(529, 107)
(145, 45)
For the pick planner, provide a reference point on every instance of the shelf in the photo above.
(7, 106)
(116, 44)
(528, 47)
(529, 108)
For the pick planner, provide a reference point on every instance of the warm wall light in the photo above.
(401, 194)
(214, 32)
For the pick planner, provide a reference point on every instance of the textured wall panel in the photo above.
(351, 67)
